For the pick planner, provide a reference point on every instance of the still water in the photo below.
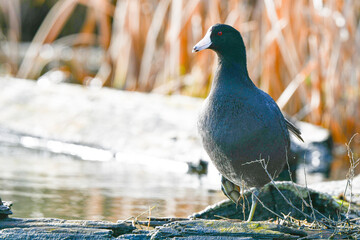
(46, 185)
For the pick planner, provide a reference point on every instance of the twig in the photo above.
(135, 219)
(262, 162)
(350, 175)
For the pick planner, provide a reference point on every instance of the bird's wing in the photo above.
(291, 127)
(274, 107)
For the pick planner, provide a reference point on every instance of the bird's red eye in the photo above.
(219, 33)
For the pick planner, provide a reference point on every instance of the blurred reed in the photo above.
(306, 54)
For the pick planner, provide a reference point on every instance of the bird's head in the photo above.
(225, 40)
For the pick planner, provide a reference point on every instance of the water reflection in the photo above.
(46, 185)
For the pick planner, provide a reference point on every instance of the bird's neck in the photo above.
(232, 74)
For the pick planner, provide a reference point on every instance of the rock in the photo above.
(219, 229)
(40, 233)
(98, 124)
(136, 235)
(44, 225)
(340, 189)
(314, 154)
(325, 205)
(316, 151)
(199, 168)
(5, 209)
(74, 120)
(158, 221)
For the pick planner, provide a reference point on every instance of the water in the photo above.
(47, 185)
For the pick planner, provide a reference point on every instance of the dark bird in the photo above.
(241, 127)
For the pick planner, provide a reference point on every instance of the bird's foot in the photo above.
(254, 201)
(231, 190)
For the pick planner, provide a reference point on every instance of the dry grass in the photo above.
(304, 53)
(347, 224)
(351, 173)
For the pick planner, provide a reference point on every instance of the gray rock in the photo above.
(39, 233)
(138, 234)
(340, 188)
(324, 204)
(134, 236)
(215, 238)
(102, 124)
(5, 209)
(218, 229)
(67, 225)
(315, 153)
(98, 124)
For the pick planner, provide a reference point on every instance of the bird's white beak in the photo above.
(203, 43)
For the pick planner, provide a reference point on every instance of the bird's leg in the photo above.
(254, 201)
(230, 190)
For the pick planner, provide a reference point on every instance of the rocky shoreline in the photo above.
(220, 221)
(73, 120)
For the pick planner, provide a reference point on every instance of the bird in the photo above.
(241, 127)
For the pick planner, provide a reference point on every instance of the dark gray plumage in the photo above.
(240, 123)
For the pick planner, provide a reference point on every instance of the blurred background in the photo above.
(305, 54)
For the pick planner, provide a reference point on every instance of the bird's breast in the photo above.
(230, 123)
(236, 132)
